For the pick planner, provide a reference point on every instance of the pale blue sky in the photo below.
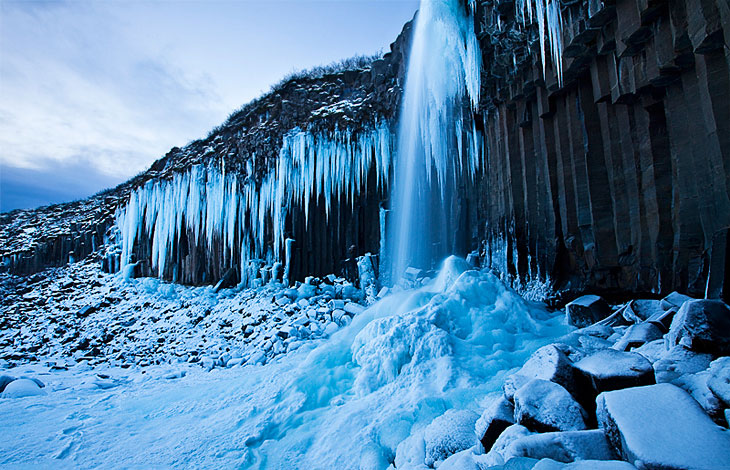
(93, 92)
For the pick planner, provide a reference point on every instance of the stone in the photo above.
(719, 379)
(674, 300)
(642, 309)
(703, 326)
(587, 310)
(609, 369)
(448, 434)
(638, 335)
(4, 381)
(547, 363)
(22, 388)
(662, 427)
(548, 464)
(508, 436)
(545, 406)
(493, 421)
(566, 446)
(679, 361)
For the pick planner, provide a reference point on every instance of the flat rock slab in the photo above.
(612, 370)
(566, 446)
(547, 464)
(662, 427)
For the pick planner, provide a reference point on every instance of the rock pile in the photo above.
(643, 386)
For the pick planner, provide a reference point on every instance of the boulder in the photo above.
(511, 434)
(494, 420)
(548, 464)
(22, 388)
(566, 446)
(640, 310)
(545, 406)
(587, 310)
(4, 381)
(547, 363)
(674, 300)
(448, 434)
(638, 335)
(719, 379)
(679, 361)
(662, 427)
(703, 326)
(611, 370)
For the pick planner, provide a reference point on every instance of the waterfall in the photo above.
(437, 143)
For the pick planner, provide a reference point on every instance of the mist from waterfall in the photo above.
(437, 144)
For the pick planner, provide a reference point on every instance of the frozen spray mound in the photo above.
(345, 402)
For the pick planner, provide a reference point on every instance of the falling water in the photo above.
(437, 144)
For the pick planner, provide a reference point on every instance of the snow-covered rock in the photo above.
(702, 325)
(548, 464)
(587, 310)
(448, 434)
(508, 436)
(547, 363)
(494, 420)
(638, 335)
(4, 381)
(679, 361)
(642, 309)
(662, 427)
(674, 300)
(609, 369)
(566, 446)
(719, 380)
(545, 406)
(22, 388)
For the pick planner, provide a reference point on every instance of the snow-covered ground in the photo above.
(345, 400)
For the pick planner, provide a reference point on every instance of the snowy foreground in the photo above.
(345, 395)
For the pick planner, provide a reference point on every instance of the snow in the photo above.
(663, 427)
(347, 401)
(548, 464)
(719, 380)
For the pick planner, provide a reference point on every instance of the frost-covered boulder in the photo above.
(611, 370)
(4, 381)
(545, 406)
(448, 434)
(674, 300)
(548, 464)
(547, 363)
(22, 388)
(508, 436)
(494, 420)
(702, 325)
(642, 309)
(563, 446)
(638, 335)
(662, 427)
(587, 310)
(719, 380)
(679, 361)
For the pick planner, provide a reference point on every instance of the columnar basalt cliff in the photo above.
(604, 164)
(613, 177)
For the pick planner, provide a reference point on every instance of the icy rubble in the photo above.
(79, 313)
(207, 203)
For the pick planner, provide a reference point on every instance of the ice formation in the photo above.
(208, 204)
(436, 138)
(346, 402)
(550, 29)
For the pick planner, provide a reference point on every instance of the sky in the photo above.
(92, 92)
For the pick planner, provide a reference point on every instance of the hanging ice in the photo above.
(550, 29)
(208, 204)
